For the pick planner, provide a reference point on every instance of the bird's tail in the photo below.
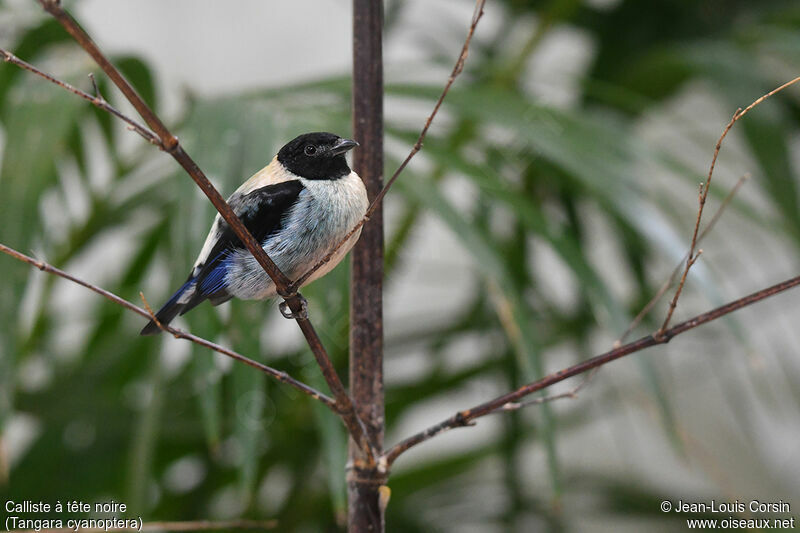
(171, 309)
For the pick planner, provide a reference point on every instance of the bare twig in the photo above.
(152, 314)
(669, 281)
(169, 143)
(704, 188)
(94, 86)
(68, 23)
(457, 69)
(572, 394)
(468, 416)
(96, 100)
(177, 333)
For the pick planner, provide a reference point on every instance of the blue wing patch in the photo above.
(262, 213)
(215, 281)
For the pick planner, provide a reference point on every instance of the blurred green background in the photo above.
(553, 197)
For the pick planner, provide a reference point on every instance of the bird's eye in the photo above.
(310, 149)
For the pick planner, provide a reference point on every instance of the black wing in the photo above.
(262, 212)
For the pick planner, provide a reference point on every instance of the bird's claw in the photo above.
(291, 315)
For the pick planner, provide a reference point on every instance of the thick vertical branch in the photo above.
(366, 302)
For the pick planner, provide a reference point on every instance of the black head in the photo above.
(317, 156)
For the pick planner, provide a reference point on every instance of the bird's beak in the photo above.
(342, 146)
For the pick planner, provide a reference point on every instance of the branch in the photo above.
(281, 376)
(96, 100)
(467, 417)
(169, 143)
(571, 394)
(704, 188)
(509, 401)
(364, 510)
(376, 202)
(671, 279)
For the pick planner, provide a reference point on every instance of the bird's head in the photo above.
(317, 156)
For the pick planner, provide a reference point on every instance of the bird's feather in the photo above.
(262, 211)
(171, 309)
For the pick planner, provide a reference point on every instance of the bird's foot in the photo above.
(291, 315)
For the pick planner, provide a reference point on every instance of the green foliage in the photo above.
(126, 416)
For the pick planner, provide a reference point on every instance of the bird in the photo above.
(298, 207)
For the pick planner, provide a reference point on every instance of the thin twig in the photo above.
(723, 206)
(704, 188)
(376, 202)
(94, 85)
(152, 314)
(97, 100)
(572, 394)
(279, 375)
(468, 416)
(169, 143)
(509, 401)
(669, 281)
(54, 8)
